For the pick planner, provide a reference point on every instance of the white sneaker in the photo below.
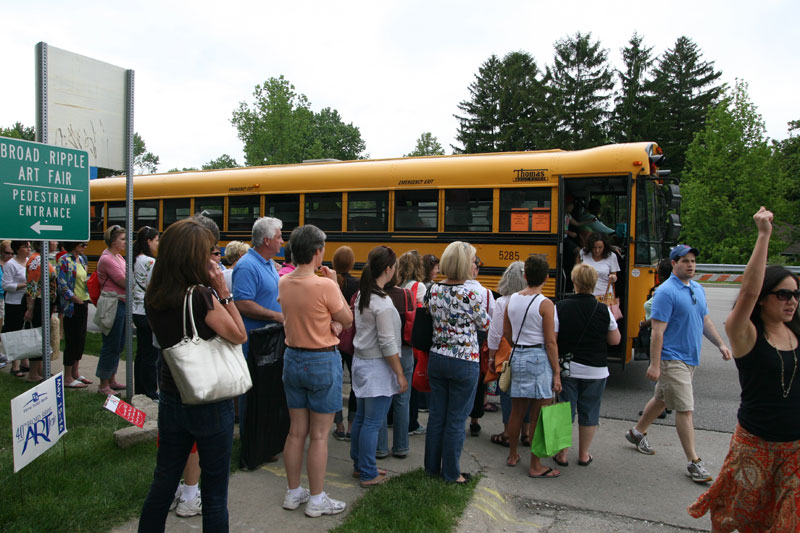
(327, 506)
(293, 502)
(191, 508)
(177, 497)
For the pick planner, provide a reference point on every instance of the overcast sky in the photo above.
(393, 69)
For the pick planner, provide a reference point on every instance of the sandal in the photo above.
(76, 384)
(474, 429)
(516, 462)
(84, 380)
(381, 472)
(18, 373)
(380, 478)
(490, 407)
(587, 462)
(467, 478)
(546, 474)
(117, 386)
(500, 439)
(525, 440)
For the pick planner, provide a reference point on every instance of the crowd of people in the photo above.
(472, 327)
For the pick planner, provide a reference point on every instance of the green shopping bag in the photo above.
(553, 430)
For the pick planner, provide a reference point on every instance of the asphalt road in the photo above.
(716, 384)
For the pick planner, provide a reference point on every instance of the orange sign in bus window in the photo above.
(520, 220)
(540, 219)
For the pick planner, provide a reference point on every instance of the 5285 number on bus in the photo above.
(508, 255)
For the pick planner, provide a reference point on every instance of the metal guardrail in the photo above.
(732, 269)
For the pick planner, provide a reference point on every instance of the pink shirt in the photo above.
(111, 271)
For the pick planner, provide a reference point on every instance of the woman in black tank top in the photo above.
(763, 328)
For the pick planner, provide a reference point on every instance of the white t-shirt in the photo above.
(604, 268)
(532, 332)
(421, 290)
(486, 294)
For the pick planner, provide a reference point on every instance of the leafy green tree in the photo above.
(144, 162)
(427, 144)
(19, 131)
(223, 161)
(731, 171)
(505, 110)
(684, 88)
(184, 169)
(580, 85)
(279, 127)
(633, 103)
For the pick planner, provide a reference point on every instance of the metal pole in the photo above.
(129, 241)
(41, 136)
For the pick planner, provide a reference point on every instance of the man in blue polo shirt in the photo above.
(255, 287)
(679, 321)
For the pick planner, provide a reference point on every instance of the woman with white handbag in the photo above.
(15, 284)
(184, 277)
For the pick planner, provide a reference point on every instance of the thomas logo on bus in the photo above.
(530, 174)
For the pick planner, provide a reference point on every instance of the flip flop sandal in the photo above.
(562, 463)
(545, 474)
(85, 380)
(381, 478)
(499, 439)
(508, 463)
(18, 373)
(586, 463)
(526, 441)
(381, 472)
(77, 384)
(467, 477)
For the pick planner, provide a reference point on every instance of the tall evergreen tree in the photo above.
(631, 121)
(684, 89)
(580, 84)
(478, 128)
(506, 109)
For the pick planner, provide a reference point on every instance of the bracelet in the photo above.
(225, 301)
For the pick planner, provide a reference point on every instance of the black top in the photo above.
(764, 411)
(168, 330)
(351, 285)
(576, 314)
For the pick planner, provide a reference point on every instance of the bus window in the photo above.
(525, 209)
(145, 213)
(368, 211)
(647, 234)
(117, 214)
(176, 209)
(285, 207)
(324, 210)
(242, 212)
(416, 210)
(468, 210)
(213, 206)
(96, 217)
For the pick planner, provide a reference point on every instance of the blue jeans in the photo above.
(113, 344)
(400, 412)
(370, 414)
(453, 384)
(179, 426)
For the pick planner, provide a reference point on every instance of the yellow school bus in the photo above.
(508, 205)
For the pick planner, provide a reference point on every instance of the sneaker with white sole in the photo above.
(327, 506)
(292, 502)
(177, 499)
(697, 471)
(640, 442)
(185, 509)
(419, 431)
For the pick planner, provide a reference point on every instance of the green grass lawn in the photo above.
(84, 482)
(411, 502)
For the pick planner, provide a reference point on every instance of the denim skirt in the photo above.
(531, 374)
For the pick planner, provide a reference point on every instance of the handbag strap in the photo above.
(187, 302)
(520, 325)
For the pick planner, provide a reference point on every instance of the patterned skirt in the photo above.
(758, 488)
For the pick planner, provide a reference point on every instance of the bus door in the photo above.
(606, 202)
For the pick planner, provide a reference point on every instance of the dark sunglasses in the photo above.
(785, 295)
(216, 253)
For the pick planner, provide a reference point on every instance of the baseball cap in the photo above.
(681, 250)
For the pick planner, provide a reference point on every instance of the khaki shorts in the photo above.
(674, 387)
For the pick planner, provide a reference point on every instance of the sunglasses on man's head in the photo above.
(785, 295)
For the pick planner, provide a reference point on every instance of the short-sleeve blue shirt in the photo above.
(673, 304)
(256, 279)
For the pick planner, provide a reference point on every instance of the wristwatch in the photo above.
(225, 301)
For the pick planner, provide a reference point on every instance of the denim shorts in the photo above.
(531, 374)
(585, 396)
(313, 380)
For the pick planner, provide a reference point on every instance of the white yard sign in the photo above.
(37, 420)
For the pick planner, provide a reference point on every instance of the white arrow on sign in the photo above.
(38, 227)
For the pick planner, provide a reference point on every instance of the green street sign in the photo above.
(44, 192)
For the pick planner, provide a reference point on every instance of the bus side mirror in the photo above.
(673, 227)
(672, 195)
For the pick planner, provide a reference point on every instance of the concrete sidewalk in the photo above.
(622, 490)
